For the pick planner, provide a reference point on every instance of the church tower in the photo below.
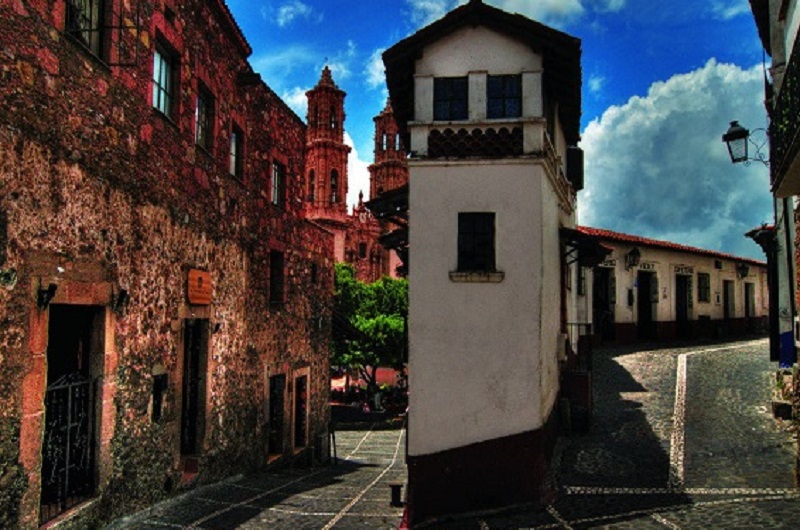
(389, 171)
(326, 159)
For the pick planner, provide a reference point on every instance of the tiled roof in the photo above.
(561, 54)
(619, 237)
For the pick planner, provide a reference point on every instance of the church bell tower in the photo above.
(326, 159)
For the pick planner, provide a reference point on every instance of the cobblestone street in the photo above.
(355, 493)
(680, 438)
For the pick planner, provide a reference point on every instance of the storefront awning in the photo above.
(585, 249)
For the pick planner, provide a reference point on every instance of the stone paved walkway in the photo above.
(681, 439)
(353, 494)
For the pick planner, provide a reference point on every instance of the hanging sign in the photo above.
(199, 287)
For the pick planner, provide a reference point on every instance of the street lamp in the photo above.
(633, 258)
(775, 240)
(737, 138)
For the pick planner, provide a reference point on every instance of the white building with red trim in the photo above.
(647, 289)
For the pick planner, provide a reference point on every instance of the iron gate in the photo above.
(68, 447)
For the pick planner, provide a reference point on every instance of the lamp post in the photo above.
(737, 139)
(779, 240)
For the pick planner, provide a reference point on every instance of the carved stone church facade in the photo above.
(356, 233)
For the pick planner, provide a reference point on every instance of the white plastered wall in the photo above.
(476, 368)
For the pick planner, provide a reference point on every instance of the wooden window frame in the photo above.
(703, 290)
(204, 119)
(278, 191)
(85, 23)
(503, 96)
(477, 242)
(165, 82)
(236, 153)
(451, 98)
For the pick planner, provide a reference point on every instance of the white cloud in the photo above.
(554, 12)
(545, 11)
(357, 174)
(423, 12)
(297, 100)
(728, 9)
(340, 64)
(374, 71)
(288, 12)
(656, 166)
(596, 83)
(612, 5)
(283, 62)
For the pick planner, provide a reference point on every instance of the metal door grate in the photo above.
(67, 451)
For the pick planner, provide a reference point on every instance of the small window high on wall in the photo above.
(84, 23)
(334, 186)
(476, 241)
(204, 119)
(278, 184)
(504, 96)
(450, 98)
(164, 68)
(703, 287)
(236, 160)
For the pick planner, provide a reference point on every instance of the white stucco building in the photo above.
(490, 103)
(648, 289)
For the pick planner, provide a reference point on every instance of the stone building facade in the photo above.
(164, 299)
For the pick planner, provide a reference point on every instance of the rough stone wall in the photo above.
(95, 181)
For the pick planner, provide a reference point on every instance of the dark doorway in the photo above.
(604, 300)
(728, 299)
(749, 300)
(277, 387)
(195, 351)
(74, 361)
(300, 411)
(647, 300)
(683, 305)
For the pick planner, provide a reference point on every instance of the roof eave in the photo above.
(561, 52)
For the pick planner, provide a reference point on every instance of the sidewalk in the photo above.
(354, 493)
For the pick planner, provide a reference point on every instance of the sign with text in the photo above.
(199, 287)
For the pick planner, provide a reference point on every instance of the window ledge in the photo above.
(477, 276)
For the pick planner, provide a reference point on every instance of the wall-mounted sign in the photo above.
(609, 263)
(199, 287)
(647, 266)
(684, 270)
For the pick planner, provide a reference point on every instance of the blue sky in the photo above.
(661, 81)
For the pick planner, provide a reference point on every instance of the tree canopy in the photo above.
(369, 322)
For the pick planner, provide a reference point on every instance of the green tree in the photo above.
(369, 323)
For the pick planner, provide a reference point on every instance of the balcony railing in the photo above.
(785, 127)
(489, 139)
(482, 143)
